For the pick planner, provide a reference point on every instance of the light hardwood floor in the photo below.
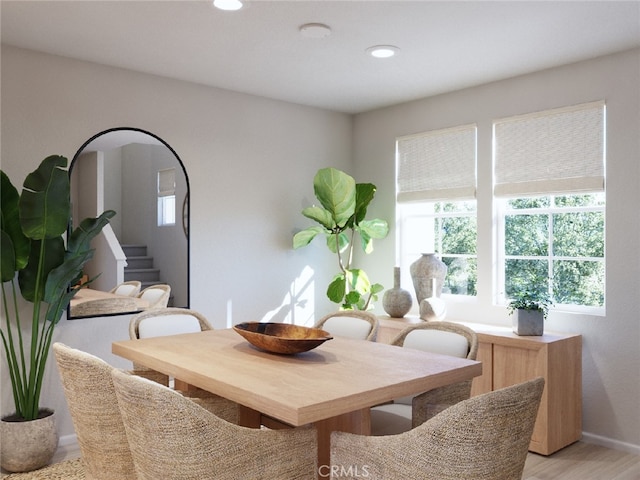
(580, 461)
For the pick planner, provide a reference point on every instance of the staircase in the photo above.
(140, 267)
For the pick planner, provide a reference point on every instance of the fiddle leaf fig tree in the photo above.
(33, 247)
(341, 217)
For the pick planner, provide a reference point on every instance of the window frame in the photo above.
(502, 211)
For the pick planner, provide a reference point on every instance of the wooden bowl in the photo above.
(281, 337)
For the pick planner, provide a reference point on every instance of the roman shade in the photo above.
(437, 165)
(550, 152)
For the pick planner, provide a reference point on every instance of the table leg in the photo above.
(248, 417)
(358, 422)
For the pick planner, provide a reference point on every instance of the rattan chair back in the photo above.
(483, 438)
(350, 323)
(91, 398)
(176, 438)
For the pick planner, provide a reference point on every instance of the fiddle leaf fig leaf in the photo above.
(336, 192)
(320, 215)
(304, 237)
(374, 228)
(364, 195)
(337, 289)
(343, 242)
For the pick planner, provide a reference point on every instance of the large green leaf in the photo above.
(52, 256)
(364, 195)
(80, 239)
(304, 237)
(370, 229)
(343, 242)
(10, 224)
(320, 215)
(337, 289)
(336, 191)
(7, 259)
(45, 205)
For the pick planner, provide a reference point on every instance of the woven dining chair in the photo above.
(356, 324)
(173, 321)
(130, 288)
(172, 437)
(483, 438)
(88, 388)
(164, 321)
(405, 413)
(157, 295)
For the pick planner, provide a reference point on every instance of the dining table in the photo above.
(331, 387)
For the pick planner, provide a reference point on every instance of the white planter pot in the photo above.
(27, 446)
(528, 322)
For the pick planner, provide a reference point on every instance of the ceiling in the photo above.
(444, 46)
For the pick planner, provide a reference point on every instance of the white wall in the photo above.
(611, 357)
(250, 161)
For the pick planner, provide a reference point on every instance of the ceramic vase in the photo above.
(27, 446)
(428, 273)
(396, 301)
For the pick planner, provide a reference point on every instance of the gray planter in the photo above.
(528, 322)
(27, 446)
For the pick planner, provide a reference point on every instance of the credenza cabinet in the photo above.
(508, 359)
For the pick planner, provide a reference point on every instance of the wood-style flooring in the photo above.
(580, 461)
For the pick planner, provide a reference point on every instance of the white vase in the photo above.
(428, 273)
(28, 445)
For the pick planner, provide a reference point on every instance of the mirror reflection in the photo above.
(141, 259)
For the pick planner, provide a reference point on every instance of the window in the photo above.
(550, 204)
(555, 244)
(167, 197)
(436, 209)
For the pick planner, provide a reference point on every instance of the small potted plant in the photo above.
(529, 310)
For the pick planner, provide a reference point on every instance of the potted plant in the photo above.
(529, 310)
(340, 217)
(34, 256)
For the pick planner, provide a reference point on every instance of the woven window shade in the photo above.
(550, 152)
(437, 165)
(167, 182)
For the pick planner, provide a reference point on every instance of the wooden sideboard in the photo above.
(508, 359)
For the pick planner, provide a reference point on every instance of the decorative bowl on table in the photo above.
(281, 337)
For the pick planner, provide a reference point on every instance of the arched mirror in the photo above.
(141, 177)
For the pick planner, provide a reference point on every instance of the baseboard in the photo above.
(610, 443)
(68, 440)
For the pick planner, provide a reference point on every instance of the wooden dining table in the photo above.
(332, 386)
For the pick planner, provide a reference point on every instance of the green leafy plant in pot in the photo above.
(529, 310)
(340, 217)
(34, 256)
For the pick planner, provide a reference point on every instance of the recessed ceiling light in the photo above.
(315, 30)
(382, 51)
(227, 4)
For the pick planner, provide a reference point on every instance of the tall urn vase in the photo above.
(428, 273)
(396, 301)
